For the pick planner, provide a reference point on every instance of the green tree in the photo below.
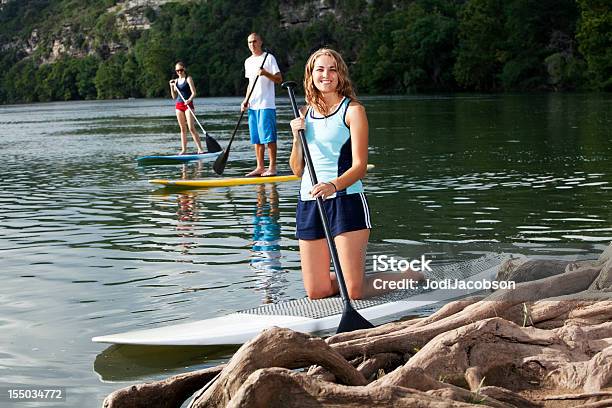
(533, 31)
(155, 57)
(62, 79)
(480, 52)
(130, 77)
(594, 35)
(109, 84)
(565, 71)
(44, 89)
(19, 83)
(85, 77)
(377, 72)
(423, 48)
(390, 46)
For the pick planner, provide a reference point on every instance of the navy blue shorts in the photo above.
(345, 213)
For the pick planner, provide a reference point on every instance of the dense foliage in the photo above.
(392, 46)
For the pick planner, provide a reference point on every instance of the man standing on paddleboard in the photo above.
(261, 105)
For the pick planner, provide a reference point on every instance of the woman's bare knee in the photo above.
(355, 292)
(318, 293)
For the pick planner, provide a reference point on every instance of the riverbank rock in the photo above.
(546, 343)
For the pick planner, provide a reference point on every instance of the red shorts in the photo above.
(182, 107)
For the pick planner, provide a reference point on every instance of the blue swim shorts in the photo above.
(345, 213)
(262, 126)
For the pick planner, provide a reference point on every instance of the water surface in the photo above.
(89, 247)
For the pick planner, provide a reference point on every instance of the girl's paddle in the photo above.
(351, 319)
(211, 144)
(219, 165)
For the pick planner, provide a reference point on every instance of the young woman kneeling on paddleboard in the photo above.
(183, 92)
(336, 128)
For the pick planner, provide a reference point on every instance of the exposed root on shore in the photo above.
(546, 343)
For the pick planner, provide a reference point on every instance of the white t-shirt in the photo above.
(263, 93)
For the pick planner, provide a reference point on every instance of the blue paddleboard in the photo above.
(176, 158)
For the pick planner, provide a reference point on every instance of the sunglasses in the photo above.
(180, 70)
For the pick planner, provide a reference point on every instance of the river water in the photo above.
(89, 247)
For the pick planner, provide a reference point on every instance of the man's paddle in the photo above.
(211, 144)
(219, 165)
(351, 319)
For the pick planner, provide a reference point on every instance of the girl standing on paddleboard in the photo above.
(183, 101)
(336, 128)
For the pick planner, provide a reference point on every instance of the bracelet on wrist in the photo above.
(335, 188)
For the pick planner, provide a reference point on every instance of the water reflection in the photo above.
(127, 362)
(266, 254)
(187, 212)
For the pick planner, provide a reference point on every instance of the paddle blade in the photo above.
(351, 320)
(212, 145)
(219, 165)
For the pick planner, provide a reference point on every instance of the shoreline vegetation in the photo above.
(547, 343)
(54, 50)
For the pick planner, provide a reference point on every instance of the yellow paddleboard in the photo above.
(227, 182)
(224, 182)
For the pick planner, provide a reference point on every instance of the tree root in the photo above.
(278, 387)
(409, 338)
(171, 392)
(280, 348)
(505, 350)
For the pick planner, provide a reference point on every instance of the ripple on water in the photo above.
(89, 247)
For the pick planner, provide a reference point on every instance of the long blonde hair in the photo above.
(345, 87)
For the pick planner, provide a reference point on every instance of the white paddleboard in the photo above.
(308, 316)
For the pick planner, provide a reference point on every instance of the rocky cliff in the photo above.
(115, 28)
(135, 14)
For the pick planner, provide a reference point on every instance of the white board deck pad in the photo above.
(309, 316)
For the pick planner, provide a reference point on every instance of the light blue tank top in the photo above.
(329, 142)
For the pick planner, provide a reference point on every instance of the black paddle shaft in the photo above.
(351, 320)
(219, 165)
